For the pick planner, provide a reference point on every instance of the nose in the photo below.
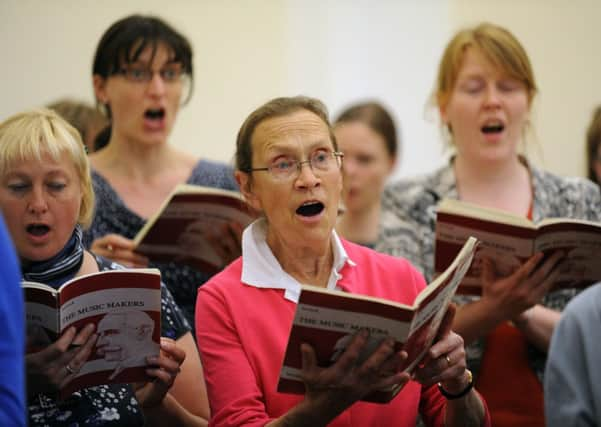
(37, 202)
(306, 176)
(156, 85)
(349, 167)
(492, 97)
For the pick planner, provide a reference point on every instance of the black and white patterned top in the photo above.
(408, 218)
(110, 404)
(113, 216)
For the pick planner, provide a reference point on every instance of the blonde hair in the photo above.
(498, 46)
(33, 134)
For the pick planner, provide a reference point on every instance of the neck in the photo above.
(306, 264)
(360, 226)
(502, 185)
(135, 160)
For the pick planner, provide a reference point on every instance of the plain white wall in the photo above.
(341, 51)
(245, 54)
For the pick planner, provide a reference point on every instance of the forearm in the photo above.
(475, 320)
(170, 412)
(538, 324)
(467, 411)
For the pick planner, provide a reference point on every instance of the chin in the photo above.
(38, 254)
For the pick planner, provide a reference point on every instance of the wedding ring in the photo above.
(69, 369)
(448, 360)
(109, 247)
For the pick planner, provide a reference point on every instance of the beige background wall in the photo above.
(338, 50)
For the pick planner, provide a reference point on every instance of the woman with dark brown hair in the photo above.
(367, 136)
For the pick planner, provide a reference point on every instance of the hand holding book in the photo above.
(524, 288)
(348, 339)
(52, 368)
(119, 249)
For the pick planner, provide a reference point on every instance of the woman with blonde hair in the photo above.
(484, 93)
(46, 198)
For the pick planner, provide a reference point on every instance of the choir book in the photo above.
(328, 320)
(125, 307)
(509, 240)
(190, 225)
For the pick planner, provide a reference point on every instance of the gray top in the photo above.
(573, 377)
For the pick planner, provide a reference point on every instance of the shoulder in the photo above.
(419, 192)
(586, 304)
(383, 274)
(227, 281)
(102, 188)
(575, 197)
(574, 187)
(213, 174)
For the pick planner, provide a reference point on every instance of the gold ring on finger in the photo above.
(448, 359)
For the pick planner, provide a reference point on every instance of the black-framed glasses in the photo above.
(137, 74)
(288, 168)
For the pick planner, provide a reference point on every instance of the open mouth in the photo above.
(155, 114)
(310, 209)
(37, 229)
(492, 128)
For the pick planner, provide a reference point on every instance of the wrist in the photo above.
(460, 389)
(522, 319)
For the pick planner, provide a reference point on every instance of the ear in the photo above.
(99, 84)
(244, 182)
(391, 164)
(442, 109)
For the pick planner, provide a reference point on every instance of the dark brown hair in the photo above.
(125, 40)
(593, 139)
(377, 118)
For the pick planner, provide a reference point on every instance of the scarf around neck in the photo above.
(61, 267)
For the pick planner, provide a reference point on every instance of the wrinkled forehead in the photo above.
(302, 129)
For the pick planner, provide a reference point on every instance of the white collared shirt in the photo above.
(261, 269)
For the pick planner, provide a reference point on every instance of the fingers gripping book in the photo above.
(328, 320)
(125, 307)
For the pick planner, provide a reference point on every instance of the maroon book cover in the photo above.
(125, 307)
(509, 240)
(190, 225)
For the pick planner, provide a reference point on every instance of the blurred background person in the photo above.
(367, 136)
(142, 73)
(288, 168)
(87, 119)
(593, 142)
(572, 375)
(484, 92)
(46, 197)
(12, 336)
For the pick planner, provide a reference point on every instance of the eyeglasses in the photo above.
(287, 168)
(135, 74)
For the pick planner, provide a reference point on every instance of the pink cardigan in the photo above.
(242, 333)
